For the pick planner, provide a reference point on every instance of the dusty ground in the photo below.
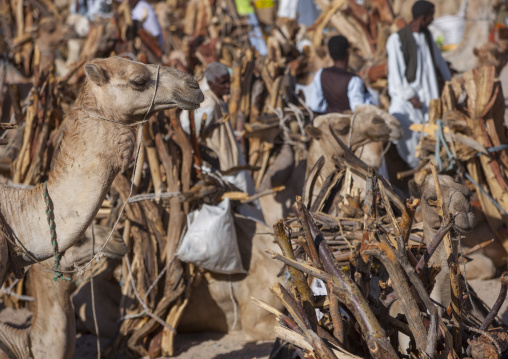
(195, 346)
(223, 346)
(206, 345)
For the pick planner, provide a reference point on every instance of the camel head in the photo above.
(456, 201)
(81, 252)
(372, 115)
(367, 125)
(50, 34)
(122, 90)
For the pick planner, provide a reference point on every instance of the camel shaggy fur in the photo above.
(53, 331)
(93, 151)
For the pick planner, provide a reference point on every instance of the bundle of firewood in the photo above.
(43, 79)
(343, 316)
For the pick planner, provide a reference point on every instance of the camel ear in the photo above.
(313, 132)
(96, 74)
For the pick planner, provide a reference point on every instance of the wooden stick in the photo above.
(299, 209)
(451, 257)
(187, 157)
(338, 326)
(194, 141)
(497, 305)
(408, 302)
(297, 277)
(153, 161)
(349, 293)
(408, 217)
(431, 248)
(478, 247)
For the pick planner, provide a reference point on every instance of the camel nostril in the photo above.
(192, 84)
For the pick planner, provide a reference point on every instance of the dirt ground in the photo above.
(194, 346)
(206, 345)
(234, 345)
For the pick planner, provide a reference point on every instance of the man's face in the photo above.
(427, 20)
(221, 85)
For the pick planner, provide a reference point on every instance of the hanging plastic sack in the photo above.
(210, 241)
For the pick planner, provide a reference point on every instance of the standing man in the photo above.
(218, 133)
(415, 66)
(335, 89)
(143, 12)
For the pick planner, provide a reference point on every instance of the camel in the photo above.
(283, 171)
(49, 36)
(52, 333)
(456, 201)
(370, 125)
(217, 302)
(98, 142)
(109, 296)
(223, 303)
(456, 198)
(492, 54)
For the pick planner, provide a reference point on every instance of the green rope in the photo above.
(51, 223)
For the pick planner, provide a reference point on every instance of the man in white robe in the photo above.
(218, 134)
(413, 66)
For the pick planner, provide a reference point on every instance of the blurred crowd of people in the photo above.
(416, 68)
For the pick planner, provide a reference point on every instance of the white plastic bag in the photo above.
(210, 241)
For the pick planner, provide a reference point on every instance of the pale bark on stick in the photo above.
(452, 259)
(153, 161)
(298, 278)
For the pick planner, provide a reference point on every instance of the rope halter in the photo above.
(99, 117)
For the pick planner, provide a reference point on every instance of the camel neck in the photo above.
(92, 153)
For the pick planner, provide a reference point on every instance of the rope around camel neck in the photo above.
(58, 256)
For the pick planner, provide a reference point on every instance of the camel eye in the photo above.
(432, 201)
(341, 129)
(139, 81)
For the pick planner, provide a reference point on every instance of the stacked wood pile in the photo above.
(466, 134)
(35, 93)
(40, 78)
(348, 254)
